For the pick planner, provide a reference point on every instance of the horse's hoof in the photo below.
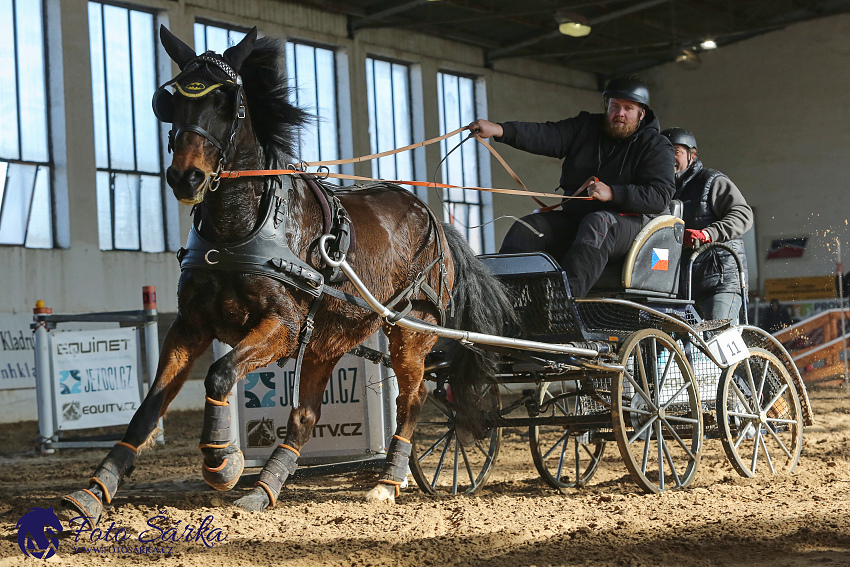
(255, 501)
(226, 475)
(381, 493)
(80, 508)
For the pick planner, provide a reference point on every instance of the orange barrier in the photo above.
(817, 347)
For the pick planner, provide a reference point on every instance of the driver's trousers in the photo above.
(582, 244)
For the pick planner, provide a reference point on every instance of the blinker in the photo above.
(163, 105)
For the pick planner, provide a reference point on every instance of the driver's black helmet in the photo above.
(628, 87)
(681, 137)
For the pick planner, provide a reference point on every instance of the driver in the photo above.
(618, 159)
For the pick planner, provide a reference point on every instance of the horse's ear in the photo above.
(236, 55)
(176, 49)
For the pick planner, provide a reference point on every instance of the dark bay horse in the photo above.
(252, 276)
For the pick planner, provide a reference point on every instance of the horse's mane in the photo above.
(276, 122)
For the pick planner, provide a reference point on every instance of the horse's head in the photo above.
(207, 111)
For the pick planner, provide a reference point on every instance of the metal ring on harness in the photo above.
(207, 257)
(327, 172)
(326, 255)
(214, 179)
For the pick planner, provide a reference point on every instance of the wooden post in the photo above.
(840, 268)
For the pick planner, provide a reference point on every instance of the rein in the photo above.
(234, 174)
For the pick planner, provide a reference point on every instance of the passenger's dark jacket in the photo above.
(639, 169)
(711, 202)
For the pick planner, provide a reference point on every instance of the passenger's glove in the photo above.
(694, 238)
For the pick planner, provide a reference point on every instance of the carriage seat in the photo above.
(651, 267)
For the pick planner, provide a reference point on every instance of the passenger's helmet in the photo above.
(681, 137)
(627, 87)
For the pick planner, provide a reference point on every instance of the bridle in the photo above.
(163, 107)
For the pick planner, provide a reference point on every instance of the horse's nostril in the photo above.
(172, 177)
(191, 178)
(195, 177)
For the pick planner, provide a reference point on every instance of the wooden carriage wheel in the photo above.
(758, 412)
(445, 458)
(656, 412)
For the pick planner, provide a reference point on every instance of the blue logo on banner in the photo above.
(253, 391)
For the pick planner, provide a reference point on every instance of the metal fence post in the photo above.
(152, 348)
(43, 381)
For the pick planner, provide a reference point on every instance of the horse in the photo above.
(252, 276)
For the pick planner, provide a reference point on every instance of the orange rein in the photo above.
(293, 171)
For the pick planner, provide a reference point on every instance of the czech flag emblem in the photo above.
(659, 259)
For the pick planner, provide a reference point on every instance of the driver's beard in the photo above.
(622, 131)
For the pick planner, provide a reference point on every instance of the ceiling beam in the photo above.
(504, 52)
(383, 14)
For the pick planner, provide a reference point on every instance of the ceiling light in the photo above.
(571, 24)
(574, 29)
(708, 44)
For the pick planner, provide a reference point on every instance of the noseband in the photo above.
(194, 82)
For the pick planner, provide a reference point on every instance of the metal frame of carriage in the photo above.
(635, 365)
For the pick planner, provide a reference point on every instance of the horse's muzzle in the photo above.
(189, 185)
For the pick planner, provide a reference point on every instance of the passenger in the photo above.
(714, 211)
(624, 150)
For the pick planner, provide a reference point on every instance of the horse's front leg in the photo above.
(407, 352)
(182, 345)
(315, 374)
(223, 460)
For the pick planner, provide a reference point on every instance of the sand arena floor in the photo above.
(515, 521)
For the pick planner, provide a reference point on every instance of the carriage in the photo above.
(634, 364)
(653, 376)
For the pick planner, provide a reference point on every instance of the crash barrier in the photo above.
(818, 346)
(358, 412)
(93, 378)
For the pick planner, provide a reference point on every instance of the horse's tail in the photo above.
(480, 303)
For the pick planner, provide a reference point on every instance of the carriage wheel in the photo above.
(561, 455)
(759, 415)
(656, 412)
(446, 459)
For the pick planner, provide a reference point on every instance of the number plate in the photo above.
(728, 347)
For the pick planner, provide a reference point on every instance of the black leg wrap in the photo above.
(398, 454)
(109, 476)
(223, 462)
(216, 431)
(280, 465)
(86, 506)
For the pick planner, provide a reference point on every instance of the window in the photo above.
(213, 37)
(312, 73)
(130, 205)
(26, 215)
(390, 127)
(464, 208)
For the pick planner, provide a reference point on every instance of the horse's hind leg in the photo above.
(180, 349)
(407, 352)
(302, 420)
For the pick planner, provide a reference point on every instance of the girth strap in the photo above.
(303, 339)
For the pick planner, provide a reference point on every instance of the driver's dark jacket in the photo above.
(639, 169)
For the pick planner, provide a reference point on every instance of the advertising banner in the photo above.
(95, 377)
(17, 355)
(265, 400)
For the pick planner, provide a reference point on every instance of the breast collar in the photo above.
(263, 252)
